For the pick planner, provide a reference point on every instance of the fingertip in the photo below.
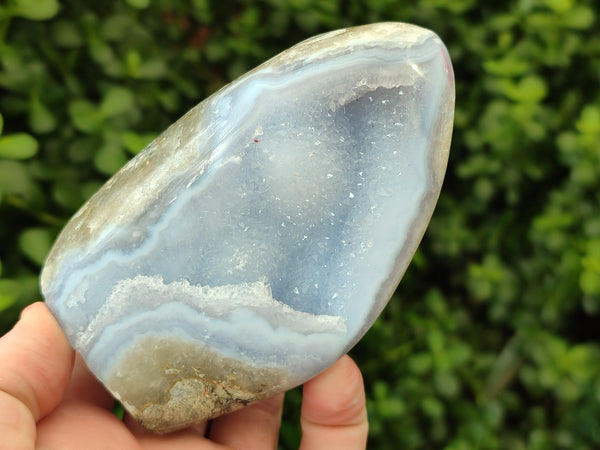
(37, 360)
(31, 308)
(32, 312)
(335, 396)
(334, 411)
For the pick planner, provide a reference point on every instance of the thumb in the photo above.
(36, 367)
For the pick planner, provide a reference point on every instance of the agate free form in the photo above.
(257, 239)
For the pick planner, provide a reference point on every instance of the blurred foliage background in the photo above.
(491, 340)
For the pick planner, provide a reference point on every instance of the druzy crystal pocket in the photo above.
(257, 239)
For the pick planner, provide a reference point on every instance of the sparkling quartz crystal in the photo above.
(257, 239)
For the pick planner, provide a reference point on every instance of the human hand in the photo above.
(49, 400)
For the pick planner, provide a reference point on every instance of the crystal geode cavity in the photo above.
(257, 239)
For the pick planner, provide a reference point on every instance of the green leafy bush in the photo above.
(491, 340)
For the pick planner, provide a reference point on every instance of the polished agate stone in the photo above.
(257, 239)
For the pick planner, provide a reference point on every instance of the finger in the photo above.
(334, 414)
(84, 386)
(255, 426)
(76, 425)
(190, 438)
(35, 370)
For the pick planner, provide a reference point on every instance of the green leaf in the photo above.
(530, 89)
(133, 61)
(589, 121)
(508, 66)
(119, 410)
(139, 4)
(18, 292)
(446, 384)
(67, 194)
(432, 407)
(152, 69)
(118, 27)
(1, 123)
(101, 52)
(41, 119)
(6, 301)
(15, 179)
(559, 6)
(420, 363)
(9, 293)
(117, 100)
(18, 146)
(90, 188)
(85, 116)
(591, 304)
(134, 142)
(109, 159)
(35, 9)
(35, 243)
(580, 18)
(202, 10)
(82, 150)
(66, 34)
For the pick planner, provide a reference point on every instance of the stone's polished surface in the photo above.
(258, 238)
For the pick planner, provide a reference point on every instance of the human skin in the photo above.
(49, 400)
